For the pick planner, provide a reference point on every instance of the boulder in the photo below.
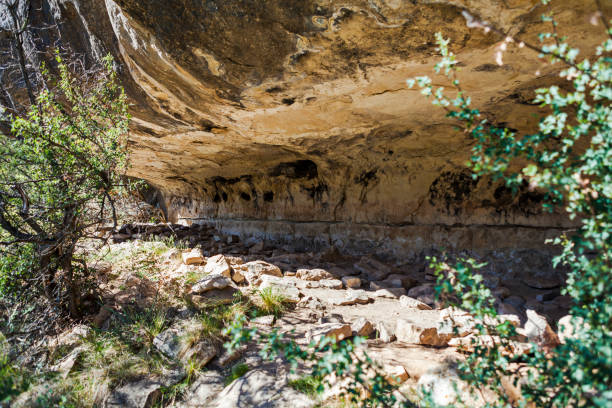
(282, 287)
(253, 271)
(193, 257)
(351, 282)
(414, 333)
(257, 248)
(211, 282)
(331, 283)
(385, 332)
(218, 265)
(362, 327)
(172, 343)
(337, 331)
(313, 274)
(64, 366)
(70, 338)
(412, 303)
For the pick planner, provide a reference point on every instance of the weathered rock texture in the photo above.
(291, 119)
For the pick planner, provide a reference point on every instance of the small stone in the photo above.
(337, 331)
(502, 292)
(391, 293)
(385, 332)
(311, 302)
(313, 274)
(351, 282)
(290, 274)
(211, 282)
(331, 283)
(218, 265)
(362, 327)
(515, 300)
(192, 257)
(409, 302)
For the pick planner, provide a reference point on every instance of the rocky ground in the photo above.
(185, 284)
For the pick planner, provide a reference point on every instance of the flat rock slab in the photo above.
(212, 298)
(204, 389)
(282, 286)
(261, 389)
(143, 393)
(218, 265)
(210, 282)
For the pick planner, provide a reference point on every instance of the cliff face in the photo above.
(291, 118)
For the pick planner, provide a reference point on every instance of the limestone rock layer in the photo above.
(291, 119)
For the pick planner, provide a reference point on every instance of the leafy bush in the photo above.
(60, 164)
(569, 160)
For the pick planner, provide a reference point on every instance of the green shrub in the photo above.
(569, 160)
(61, 166)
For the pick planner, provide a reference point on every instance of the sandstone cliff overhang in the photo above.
(292, 119)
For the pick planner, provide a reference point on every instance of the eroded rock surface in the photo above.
(291, 120)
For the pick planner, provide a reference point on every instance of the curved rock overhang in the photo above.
(291, 119)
